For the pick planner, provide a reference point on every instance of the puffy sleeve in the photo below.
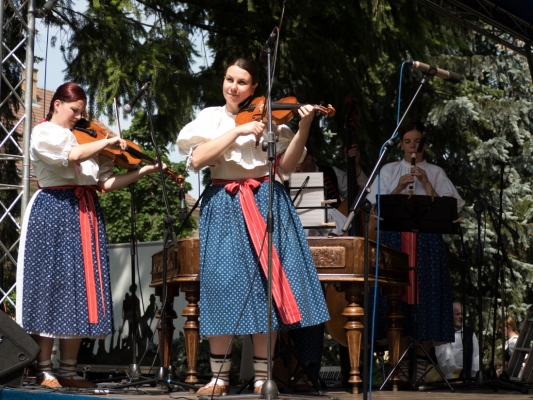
(285, 136)
(388, 180)
(105, 170)
(204, 127)
(52, 145)
(444, 187)
(212, 123)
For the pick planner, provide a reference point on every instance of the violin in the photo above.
(283, 110)
(88, 132)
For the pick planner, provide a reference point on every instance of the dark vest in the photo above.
(468, 350)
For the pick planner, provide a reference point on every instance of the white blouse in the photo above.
(49, 149)
(241, 160)
(391, 173)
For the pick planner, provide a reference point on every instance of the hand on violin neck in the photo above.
(307, 113)
(152, 168)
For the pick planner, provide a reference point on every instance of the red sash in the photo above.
(256, 226)
(87, 212)
(409, 247)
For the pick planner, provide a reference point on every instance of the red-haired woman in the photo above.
(63, 286)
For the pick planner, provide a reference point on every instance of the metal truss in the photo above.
(12, 13)
(490, 20)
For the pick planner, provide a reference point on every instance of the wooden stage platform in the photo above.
(32, 392)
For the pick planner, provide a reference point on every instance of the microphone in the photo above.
(183, 205)
(421, 143)
(128, 107)
(48, 6)
(270, 41)
(501, 163)
(449, 76)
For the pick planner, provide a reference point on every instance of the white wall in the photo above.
(114, 354)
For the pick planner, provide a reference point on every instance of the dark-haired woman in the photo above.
(63, 286)
(232, 231)
(435, 311)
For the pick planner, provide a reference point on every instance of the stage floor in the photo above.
(32, 392)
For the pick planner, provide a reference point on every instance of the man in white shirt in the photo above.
(464, 352)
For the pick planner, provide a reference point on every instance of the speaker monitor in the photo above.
(17, 350)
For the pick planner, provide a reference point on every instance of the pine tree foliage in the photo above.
(483, 121)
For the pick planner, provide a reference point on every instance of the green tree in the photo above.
(149, 204)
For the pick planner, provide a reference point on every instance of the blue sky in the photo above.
(52, 72)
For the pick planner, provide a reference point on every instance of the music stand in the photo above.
(418, 214)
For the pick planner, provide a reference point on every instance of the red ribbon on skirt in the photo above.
(256, 226)
(87, 212)
(409, 247)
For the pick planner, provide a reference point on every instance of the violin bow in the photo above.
(116, 116)
(274, 58)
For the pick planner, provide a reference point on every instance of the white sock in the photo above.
(220, 368)
(44, 366)
(260, 368)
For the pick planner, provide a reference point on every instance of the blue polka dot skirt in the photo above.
(233, 288)
(435, 311)
(54, 299)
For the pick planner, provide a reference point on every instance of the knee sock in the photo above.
(220, 369)
(67, 369)
(260, 368)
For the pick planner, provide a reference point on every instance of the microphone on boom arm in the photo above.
(268, 44)
(129, 107)
(449, 76)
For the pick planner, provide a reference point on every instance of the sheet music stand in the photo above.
(306, 189)
(418, 214)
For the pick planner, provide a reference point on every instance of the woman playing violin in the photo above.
(63, 266)
(232, 234)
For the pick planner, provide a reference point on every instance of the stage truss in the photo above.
(15, 13)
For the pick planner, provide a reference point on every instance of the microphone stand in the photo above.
(270, 389)
(362, 198)
(164, 374)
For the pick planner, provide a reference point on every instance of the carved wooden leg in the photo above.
(170, 314)
(354, 329)
(394, 329)
(191, 329)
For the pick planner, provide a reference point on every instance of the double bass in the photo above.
(335, 300)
